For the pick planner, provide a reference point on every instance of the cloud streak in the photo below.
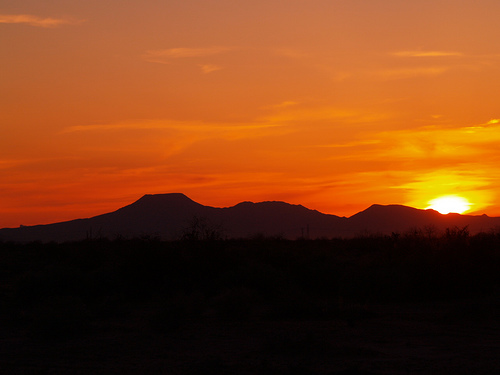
(37, 21)
(9, 163)
(209, 68)
(427, 146)
(412, 72)
(165, 56)
(352, 144)
(427, 162)
(290, 114)
(173, 125)
(427, 54)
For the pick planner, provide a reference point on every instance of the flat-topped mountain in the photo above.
(170, 216)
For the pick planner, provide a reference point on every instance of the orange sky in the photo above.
(333, 104)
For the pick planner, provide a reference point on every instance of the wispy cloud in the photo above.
(426, 54)
(36, 21)
(352, 144)
(209, 68)
(464, 143)
(9, 163)
(412, 72)
(173, 55)
(163, 137)
(165, 56)
(173, 125)
(291, 53)
(285, 104)
(293, 114)
(431, 161)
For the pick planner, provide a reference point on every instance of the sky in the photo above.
(335, 105)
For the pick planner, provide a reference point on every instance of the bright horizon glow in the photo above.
(334, 105)
(450, 204)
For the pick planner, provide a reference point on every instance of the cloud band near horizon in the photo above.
(37, 21)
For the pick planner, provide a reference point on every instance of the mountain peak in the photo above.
(390, 209)
(168, 199)
(166, 196)
(168, 215)
(155, 204)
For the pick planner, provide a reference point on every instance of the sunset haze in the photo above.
(335, 105)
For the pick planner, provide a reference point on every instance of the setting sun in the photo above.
(449, 203)
(333, 105)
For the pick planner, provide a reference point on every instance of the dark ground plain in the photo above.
(409, 304)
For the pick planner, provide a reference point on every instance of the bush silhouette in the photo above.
(70, 287)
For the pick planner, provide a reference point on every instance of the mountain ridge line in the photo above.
(169, 215)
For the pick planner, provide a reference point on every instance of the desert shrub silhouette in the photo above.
(50, 287)
(201, 229)
(59, 317)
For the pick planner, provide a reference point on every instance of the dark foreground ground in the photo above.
(409, 304)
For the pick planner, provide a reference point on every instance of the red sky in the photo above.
(334, 104)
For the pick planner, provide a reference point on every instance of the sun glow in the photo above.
(449, 203)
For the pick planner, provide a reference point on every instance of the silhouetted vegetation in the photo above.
(240, 279)
(64, 290)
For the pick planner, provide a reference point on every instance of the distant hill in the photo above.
(170, 216)
(397, 218)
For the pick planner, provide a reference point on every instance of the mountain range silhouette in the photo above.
(170, 216)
